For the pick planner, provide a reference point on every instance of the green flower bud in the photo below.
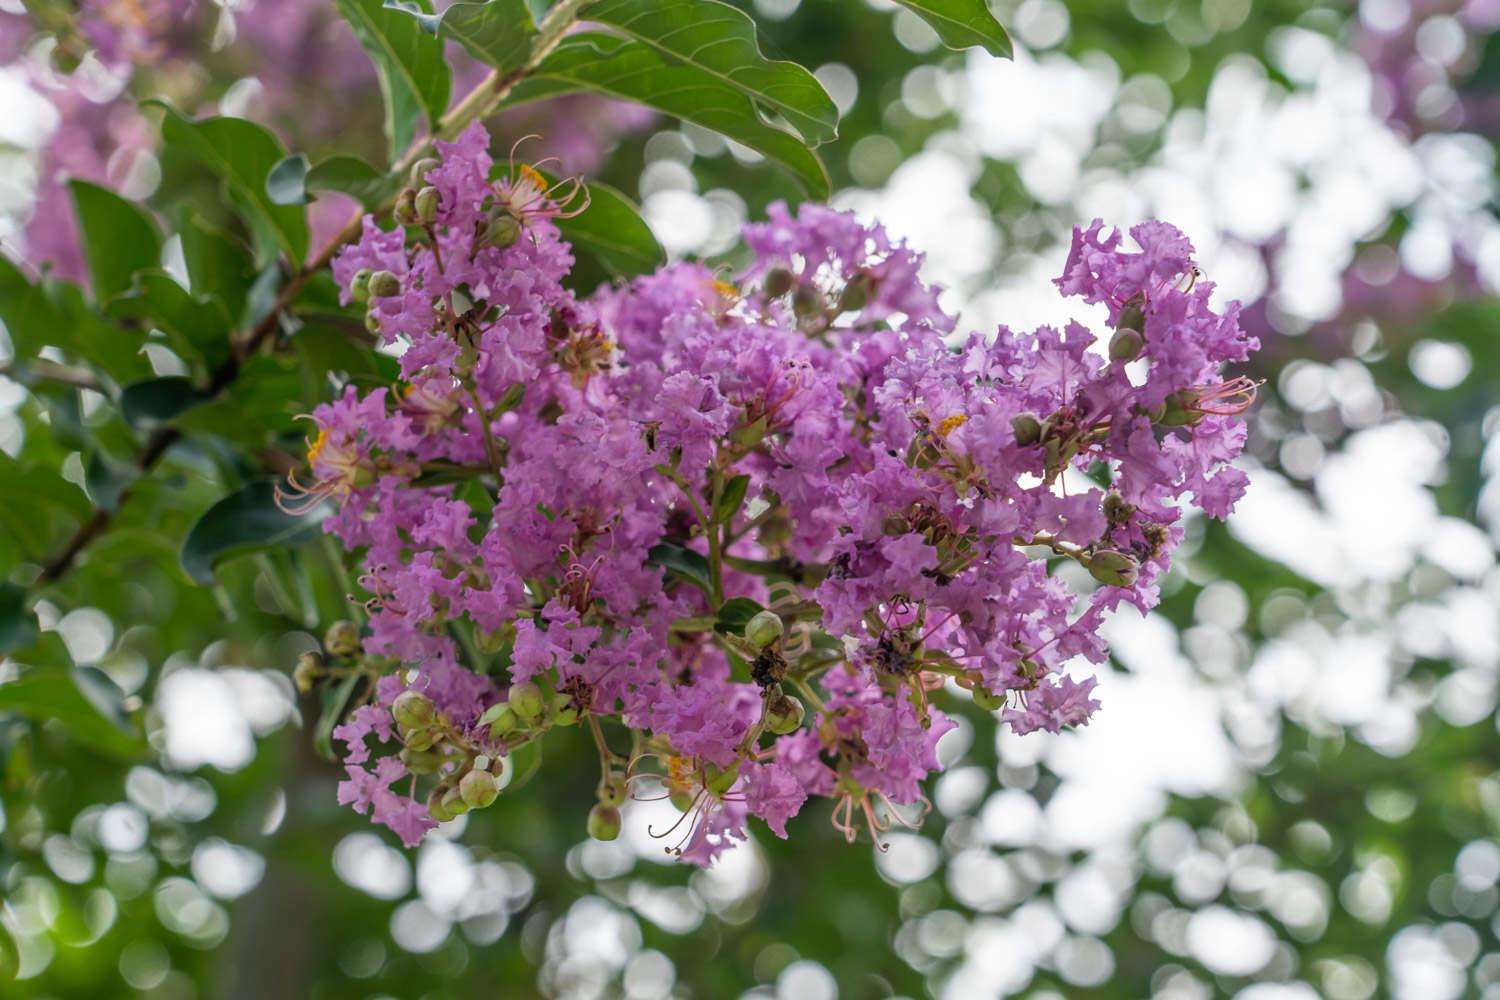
(1027, 428)
(778, 282)
(413, 710)
(806, 301)
(526, 701)
(1113, 568)
(1126, 345)
(405, 211)
(436, 805)
(764, 628)
(784, 715)
(384, 284)
(372, 323)
(478, 789)
(612, 790)
(418, 176)
(562, 711)
(500, 718)
(1132, 315)
(426, 204)
(421, 739)
(342, 638)
(305, 673)
(856, 294)
(421, 761)
(359, 285)
(604, 822)
(453, 801)
(988, 700)
(503, 230)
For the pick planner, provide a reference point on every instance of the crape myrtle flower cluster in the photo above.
(740, 534)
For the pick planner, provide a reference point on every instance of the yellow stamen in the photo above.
(531, 176)
(317, 446)
(951, 424)
(725, 289)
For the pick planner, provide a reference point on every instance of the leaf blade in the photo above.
(963, 24)
(409, 66)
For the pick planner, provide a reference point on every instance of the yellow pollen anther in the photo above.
(951, 424)
(725, 289)
(531, 176)
(317, 446)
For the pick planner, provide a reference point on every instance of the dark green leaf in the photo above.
(106, 481)
(720, 40)
(735, 613)
(632, 71)
(156, 401)
(72, 699)
(612, 232)
(18, 627)
(218, 266)
(498, 33)
(962, 24)
(685, 564)
(243, 522)
(409, 64)
(286, 184)
(117, 235)
(352, 176)
(730, 499)
(197, 324)
(242, 154)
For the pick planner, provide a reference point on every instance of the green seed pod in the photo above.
(1132, 315)
(413, 710)
(856, 294)
(359, 285)
(453, 801)
(526, 701)
(784, 715)
(1113, 568)
(764, 628)
(1027, 428)
(612, 790)
(405, 211)
(500, 718)
(426, 204)
(305, 673)
(503, 230)
(384, 284)
(604, 822)
(418, 176)
(342, 638)
(436, 804)
(421, 739)
(806, 301)
(421, 761)
(1126, 345)
(778, 282)
(478, 789)
(988, 700)
(562, 711)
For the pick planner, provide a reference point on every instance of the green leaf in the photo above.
(154, 402)
(18, 627)
(242, 154)
(612, 232)
(735, 613)
(720, 41)
(241, 523)
(730, 499)
(498, 33)
(118, 238)
(352, 176)
(286, 184)
(409, 64)
(335, 699)
(218, 266)
(633, 71)
(197, 324)
(685, 564)
(77, 700)
(962, 24)
(107, 481)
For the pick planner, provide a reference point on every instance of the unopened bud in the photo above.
(604, 822)
(562, 711)
(503, 230)
(421, 739)
(359, 285)
(478, 789)
(421, 761)
(342, 638)
(764, 628)
(453, 801)
(1132, 315)
(500, 718)
(778, 282)
(413, 710)
(436, 807)
(405, 211)
(419, 170)
(612, 790)
(305, 673)
(372, 323)
(784, 715)
(526, 701)
(1027, 428)
(856, 293)
(384, 284)
(1113, 568)
(1126, 345)
(988, 700)
(806, 301)
(426, 204)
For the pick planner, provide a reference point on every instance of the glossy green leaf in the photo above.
(352, 176)
(197, 324)
(682, 563)
(242, 154)
(154, 402)
(721, 42)
(963, 24)
(106, 481)
(735, 613)
(80, 702)
(633, 71)
(241, 523)
(612, 232)
(218, 266)
(730, 499)
(498, 33)
(18, 626)
(409, 63)
(117, 236)
(286, 184)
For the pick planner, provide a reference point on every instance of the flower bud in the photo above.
(604, 822)
(612, 790)
(1126, 345)
(784, 715)
(1132, 315)
(988, 700)
(372, 323)
(421, 739)
(856, 294)
(413, 710)
(309, 665)
(359, 285)
(426, 204)
(1113, 568)
(806, 301)
(478, 789)
(763, 629)
(405, 211)
(418, 176)
(453, 801)
(503, 230)
(778, 282)
(526, 701)
(342, 638)
(1027, 428)
(562, 711)
(435, 804)
(500, 718)
(384, 284)
(421, 761)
